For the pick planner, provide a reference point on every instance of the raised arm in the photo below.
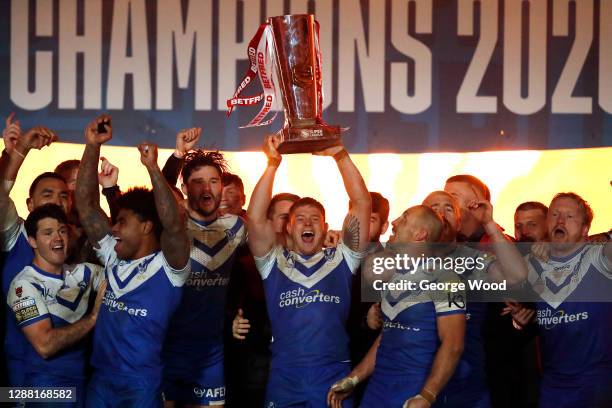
(356, 227)
(261, 233)
(174, 239)
(108, 178)
(511, 266)
(186, 139)
(87, 195)
(12, 159)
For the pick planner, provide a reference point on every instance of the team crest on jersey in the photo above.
(19, 291)
(290, 257)
(329, 253)
(230, 235)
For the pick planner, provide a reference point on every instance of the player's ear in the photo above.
(384, 228)
(421, 235)
(29, 204)
(32, 242)
(184, 189)
(325, 228)
(147, 227)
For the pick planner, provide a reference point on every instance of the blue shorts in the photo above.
(205, 386)
(390, 392)
(123, 391)
(304, 387)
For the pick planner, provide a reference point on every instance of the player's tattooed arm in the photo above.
(174, 239)
(356, 229)
(350, 232)
(86, 194)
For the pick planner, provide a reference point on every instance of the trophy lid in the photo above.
(290, 18)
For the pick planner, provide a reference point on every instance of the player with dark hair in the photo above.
(307, 288)
(530, 222)
(193, 351)
(145, 270)
(49, 301)
(46, 188)
(232, 198)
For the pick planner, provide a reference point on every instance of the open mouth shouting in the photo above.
(308, 236)
(559, 233)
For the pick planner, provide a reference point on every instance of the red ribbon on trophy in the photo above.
(287, 49)
(261, 60)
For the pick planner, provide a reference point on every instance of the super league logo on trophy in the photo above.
(286, 49)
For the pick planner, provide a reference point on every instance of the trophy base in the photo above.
(308, 139)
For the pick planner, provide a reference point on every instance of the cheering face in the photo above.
(280, 215)
(446, 206)
(566, 223)
(307, 229)
(402, 229)
(204, 191)
(50, 191)
(465, 194)
(530, 226)
(51, 241)
(129, 231)
(232, 200)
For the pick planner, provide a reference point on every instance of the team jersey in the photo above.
(471, 365)
(576, 334)
(141, 296)
(17, 255)
(35, 295)
(409, 339)
(308, 301)
(195, 336)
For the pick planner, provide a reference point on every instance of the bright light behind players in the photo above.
(405, 179)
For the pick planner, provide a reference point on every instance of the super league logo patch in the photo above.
(19, 291)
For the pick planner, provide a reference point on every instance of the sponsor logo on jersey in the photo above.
(25, 309)
(115, 305)
(218, 392)
(300, 298)
(549, 319)
(397, 325)
(206, 279)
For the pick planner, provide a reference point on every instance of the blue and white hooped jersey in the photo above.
(141, 296)
(409, 339)
(308, 301)
(35, 295)
(195, 336)
(576, 334)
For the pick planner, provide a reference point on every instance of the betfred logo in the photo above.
(19, 291)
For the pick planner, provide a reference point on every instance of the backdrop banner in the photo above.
(405, 75)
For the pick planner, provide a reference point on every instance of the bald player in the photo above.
(422, 337)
